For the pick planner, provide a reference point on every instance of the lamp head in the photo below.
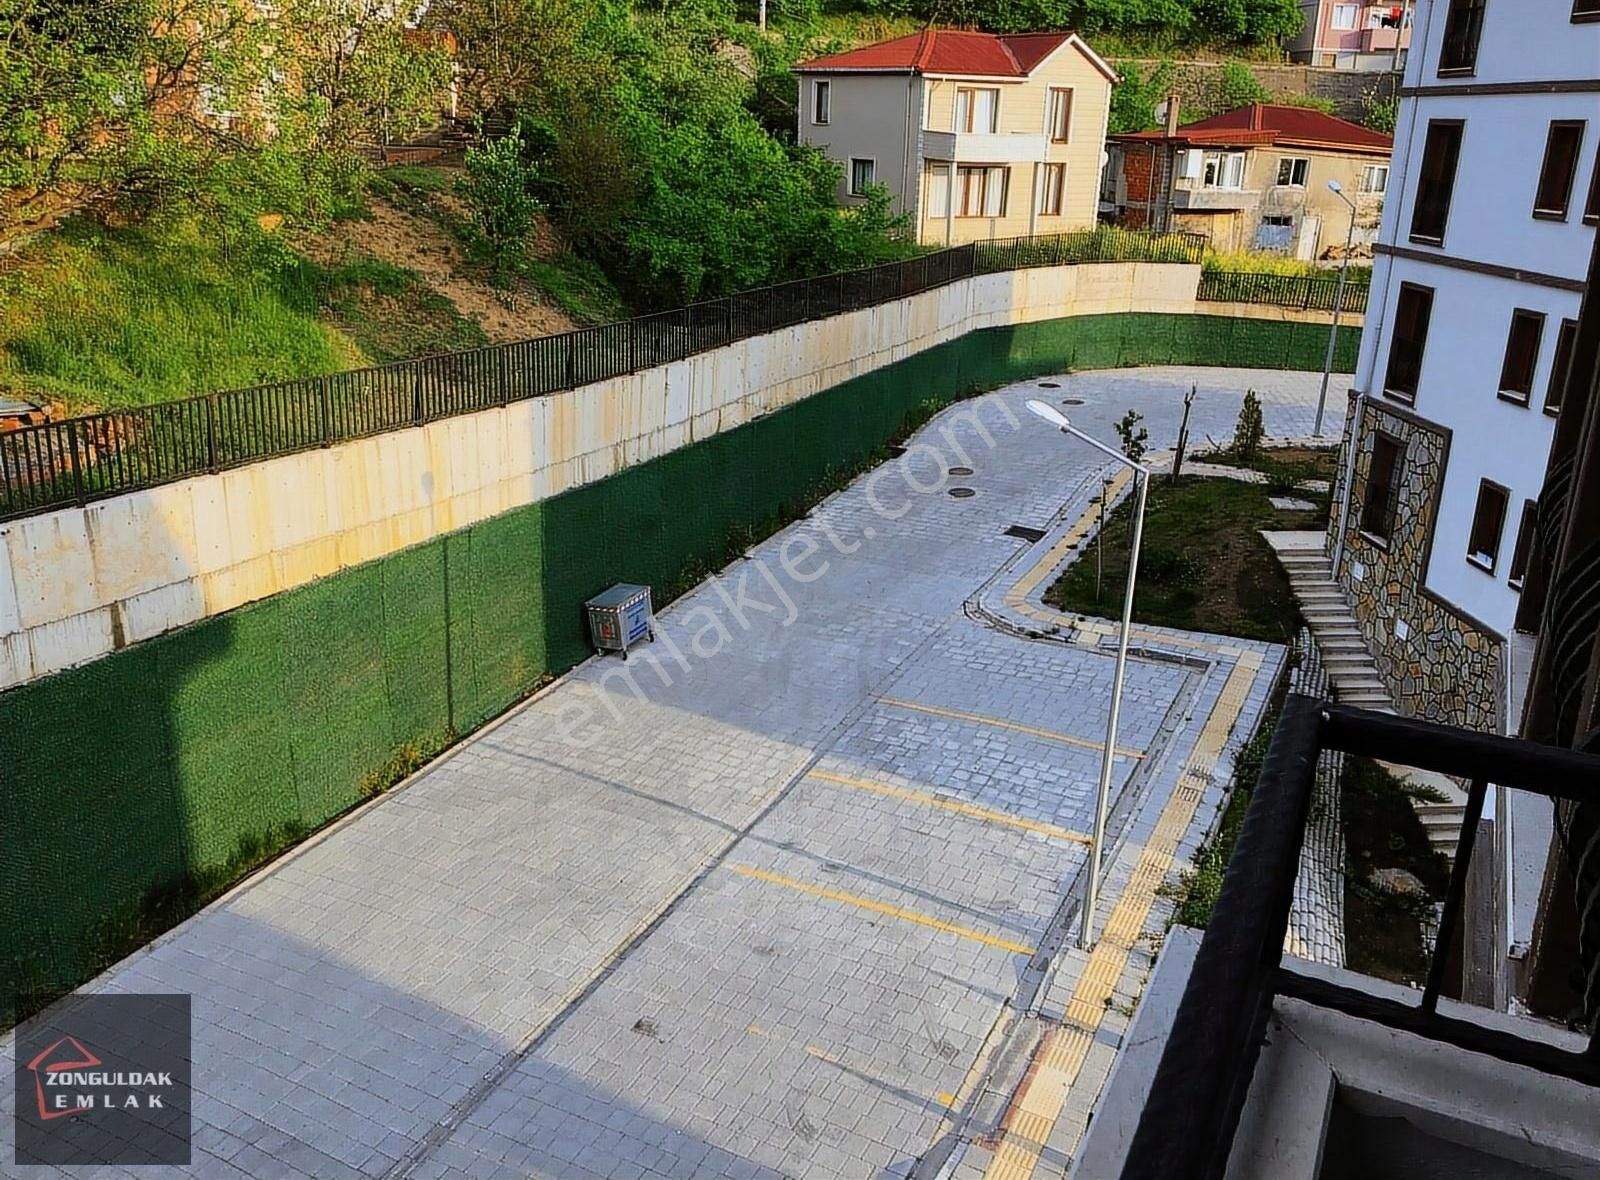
(1049, 413)
(1335, 186)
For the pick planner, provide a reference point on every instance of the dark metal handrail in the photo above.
(77, 460)
(1187, 1128)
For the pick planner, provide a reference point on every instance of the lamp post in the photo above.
(1141, 476)
(1337, 190)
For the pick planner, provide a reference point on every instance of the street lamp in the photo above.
(1142, 478)
(1337, 190)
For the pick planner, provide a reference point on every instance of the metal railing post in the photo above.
(211, 432)
(77, 470)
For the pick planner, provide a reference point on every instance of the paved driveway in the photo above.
(781, 897)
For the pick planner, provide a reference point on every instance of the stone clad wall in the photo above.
(1198, 84)
(1437, 663)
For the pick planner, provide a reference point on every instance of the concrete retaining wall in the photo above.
(78, 583)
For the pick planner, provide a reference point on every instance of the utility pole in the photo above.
(761, 17)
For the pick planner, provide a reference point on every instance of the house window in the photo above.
(1383, 488)
(1059, 114)
(1436, 180)
(1344, 17)
(820, 101)
(1222, 170)
(1411, 314)
(981, 190)
(1488, 522)
(1591, 207)
(939, 191)
(1522, 356)
(1293, 170)
(1375, 178)
(1053, 199)
(1585, 10)
(977, 109)
(1561, 366)
(861, 175)
(1522, 551)
(1463, 26)
(1559, 170)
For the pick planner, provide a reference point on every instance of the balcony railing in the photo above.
(1190, 1118)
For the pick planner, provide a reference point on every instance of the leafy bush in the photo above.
(1134, 97)
(1264, 262)
(1240, 87)
(1379, 113)
(498, 189)
(1135, 438)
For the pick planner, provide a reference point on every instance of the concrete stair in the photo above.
(1350, 667)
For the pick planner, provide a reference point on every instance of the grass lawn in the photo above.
(1383, 929)
(1204, 565)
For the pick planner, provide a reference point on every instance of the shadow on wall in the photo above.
(139, 786)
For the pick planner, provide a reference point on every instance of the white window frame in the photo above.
(1352, 11)
(872, 174)
(1300, 164)
(1226, 163)
(1367, 175)
(821, 102)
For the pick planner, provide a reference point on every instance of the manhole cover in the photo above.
(1049, 385)
(961, 471)
(1073, 401)
(1024, 532)
(962, 493)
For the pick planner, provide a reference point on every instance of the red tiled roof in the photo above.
(1269, 123)
(948, 51)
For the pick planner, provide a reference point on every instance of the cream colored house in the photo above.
(978, 136)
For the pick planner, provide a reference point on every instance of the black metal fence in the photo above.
(77, 460)
(1190, 1117)
(1307, 292)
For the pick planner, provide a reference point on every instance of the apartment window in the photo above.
(821, 94)
(1586, 10)
(977, 109)
(1294, 170)
(1488, 522)
(1561, 366)
(981, 190)
(1560, 169)
(861, 175)
(1059, 114)
(1344, 17)
(1375, 178)
(1522, 356)
(1383, 488)
(1591, 207)
(1436, 180)
(1411, 314)
(1522, 551)
(1463, 26)
(1053, 198)
(1222, 170)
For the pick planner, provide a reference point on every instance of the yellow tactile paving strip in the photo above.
(999, 723)
(1027, 1124)
(878, 907)
(970, 810)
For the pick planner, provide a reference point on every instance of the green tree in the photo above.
(498, 189)
(1134, 97)
(1239, 86)
(1379, 113)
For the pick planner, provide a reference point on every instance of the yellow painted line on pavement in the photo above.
(1027, 1124)
(878, 907)
(997, 723)
(1070, 540)
(955, 805)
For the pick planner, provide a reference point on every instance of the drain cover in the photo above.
(1073, 401)
(962, 493)
(1049, 385)
(1026, 533)
(961, 471)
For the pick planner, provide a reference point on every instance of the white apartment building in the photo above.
(1479, 273)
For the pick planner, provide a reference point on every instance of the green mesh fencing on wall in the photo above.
(139, 784)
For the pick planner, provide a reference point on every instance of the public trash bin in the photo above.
(620, 618)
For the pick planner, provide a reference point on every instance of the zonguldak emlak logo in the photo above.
(66, 1082)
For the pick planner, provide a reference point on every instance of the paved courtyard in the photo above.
(789, 893)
